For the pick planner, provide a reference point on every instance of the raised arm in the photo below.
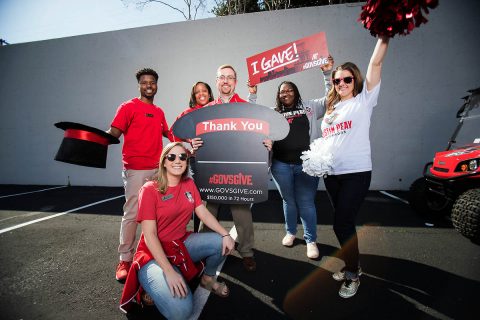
(375, 66)
(319, 104)
(327, 72)
(252, 93)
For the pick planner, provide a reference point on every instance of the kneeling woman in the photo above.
(168, 256)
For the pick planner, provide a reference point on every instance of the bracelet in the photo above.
(227, 235)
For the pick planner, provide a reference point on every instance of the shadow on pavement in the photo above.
(377, 210)
(390, 288)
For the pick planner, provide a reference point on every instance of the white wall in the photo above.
(84, 78)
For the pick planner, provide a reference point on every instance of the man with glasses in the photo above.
(137, 119)
(241, 213)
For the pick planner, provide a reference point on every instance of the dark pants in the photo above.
(346, 193)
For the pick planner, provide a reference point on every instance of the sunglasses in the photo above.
(172, 156)
(347, 80)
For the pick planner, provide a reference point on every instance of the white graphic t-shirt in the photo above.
(346, 132)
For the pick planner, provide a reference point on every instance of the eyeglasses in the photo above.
(172, 156)
(228, 78)
(347, 80)
(286, 91)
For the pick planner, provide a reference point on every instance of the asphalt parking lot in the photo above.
(58, 255)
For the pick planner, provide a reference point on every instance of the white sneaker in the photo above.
(349, 288)
(340, 275)
(288, 240)
(312, 250)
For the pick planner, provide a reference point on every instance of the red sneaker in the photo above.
(122, 270)
(249, 264)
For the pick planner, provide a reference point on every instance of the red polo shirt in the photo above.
(172, 211)
(143, 126)
(234, 98)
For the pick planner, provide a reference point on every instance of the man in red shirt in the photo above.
(143, 126)
(241, 213)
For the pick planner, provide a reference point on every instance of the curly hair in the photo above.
(146, 71)
(297, 100)
(193, 101)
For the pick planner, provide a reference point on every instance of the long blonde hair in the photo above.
(332, 96)
(161, 177)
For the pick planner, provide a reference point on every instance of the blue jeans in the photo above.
(200, 246)
(298, 191)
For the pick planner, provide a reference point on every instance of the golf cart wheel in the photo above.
(425, 202)
(466, 215)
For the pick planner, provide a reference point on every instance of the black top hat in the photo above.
(84, 145)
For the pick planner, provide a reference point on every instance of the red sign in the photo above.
(289, 58)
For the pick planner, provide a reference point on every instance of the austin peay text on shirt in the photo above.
(337, 129)
(290, 115)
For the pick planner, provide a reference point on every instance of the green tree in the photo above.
(231, 7)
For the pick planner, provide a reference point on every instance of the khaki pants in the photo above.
(242, 217)
(133, 180)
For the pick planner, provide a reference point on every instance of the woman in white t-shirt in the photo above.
(345, 131)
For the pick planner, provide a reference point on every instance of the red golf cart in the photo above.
(451, 183)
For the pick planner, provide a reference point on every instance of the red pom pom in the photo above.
(391, 17)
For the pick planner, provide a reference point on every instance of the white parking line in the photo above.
(19, 194)
(56, 215)
(22, 215)
(200, 296)
(394, 197)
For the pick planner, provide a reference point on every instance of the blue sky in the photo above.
(34, 20)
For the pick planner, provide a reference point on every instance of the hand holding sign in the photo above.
(232, 163)
(289, 58)
(329, 64)
(252, 88)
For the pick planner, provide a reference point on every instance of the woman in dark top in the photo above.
(297, 188)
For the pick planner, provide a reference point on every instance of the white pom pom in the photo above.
(318, 161)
